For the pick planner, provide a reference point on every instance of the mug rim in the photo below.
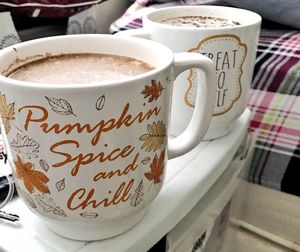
(256, 18)
(154, 46)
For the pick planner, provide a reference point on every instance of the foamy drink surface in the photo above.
(80, 68)
(200, 21)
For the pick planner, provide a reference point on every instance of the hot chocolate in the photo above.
(199, 21)
(80, 68)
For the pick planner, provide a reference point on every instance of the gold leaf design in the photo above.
(157, 168)
(60, 106)
(32, 179)
(155, 137)
(153, 91)
(7, 112)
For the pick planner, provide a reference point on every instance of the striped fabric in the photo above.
(274, 100)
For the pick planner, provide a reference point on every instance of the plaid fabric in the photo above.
(274, 100)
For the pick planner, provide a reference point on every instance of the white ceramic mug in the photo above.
(89, 158)
(232, 48)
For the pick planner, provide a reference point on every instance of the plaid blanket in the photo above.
(275, 102)
(274, 99)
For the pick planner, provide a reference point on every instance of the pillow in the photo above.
(47, 8)
(286, 12)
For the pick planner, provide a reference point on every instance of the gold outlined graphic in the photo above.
(198, 49)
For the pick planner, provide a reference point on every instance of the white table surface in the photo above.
(188, 178)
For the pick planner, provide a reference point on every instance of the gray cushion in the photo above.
(285, 12)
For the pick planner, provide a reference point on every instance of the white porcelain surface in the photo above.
(188, 178)
(90, 157)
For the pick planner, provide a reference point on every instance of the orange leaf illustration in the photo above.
(157, 168)
(153, 91)
(155, 137)
(31, 178)
(7, 112)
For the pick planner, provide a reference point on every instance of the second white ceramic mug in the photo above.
(232, 49)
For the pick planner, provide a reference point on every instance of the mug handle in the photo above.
(204, 104)
(205, 97)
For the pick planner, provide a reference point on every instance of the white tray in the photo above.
(188, 178)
